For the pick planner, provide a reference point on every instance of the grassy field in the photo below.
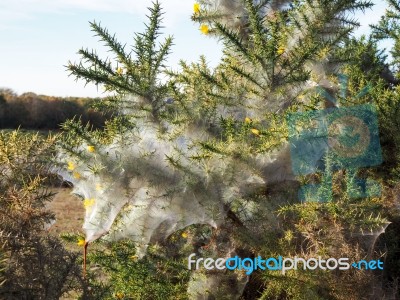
(69, 211)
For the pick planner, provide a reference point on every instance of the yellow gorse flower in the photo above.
(76, 175)
(281, 50)
(204, 29)
(88, 203)
(185, 235)
(255, 131)
(71, 166)
(90, 149)
(119, 295)
(247, 120)
(323, 52)
(120, 71)
(81, 242)
(196, 8)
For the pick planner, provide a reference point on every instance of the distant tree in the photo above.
(31, 111)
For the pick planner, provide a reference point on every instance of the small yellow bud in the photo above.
(196, 8)
(204, 29)
(71, 166)
(119, 295)
(281, 50)
(185, 235)
(120, 71)
(247, 120)
(255, 131)
(81, 242)
(90, 149)
(88, 203)
(76, 175)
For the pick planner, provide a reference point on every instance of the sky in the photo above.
(39, 37)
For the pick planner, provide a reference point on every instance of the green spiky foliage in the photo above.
(387, 31)
(388, 28)
(34, 264)
(128, 73)
(267, 56)
(157, 276)
(275, 53)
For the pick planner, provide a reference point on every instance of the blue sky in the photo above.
(39, 37)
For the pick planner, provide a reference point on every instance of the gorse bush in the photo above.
(157, 276)
(34, 264)
(207, 151)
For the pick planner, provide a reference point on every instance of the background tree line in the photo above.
(31, 111)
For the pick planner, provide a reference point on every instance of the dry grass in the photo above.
(69, 212)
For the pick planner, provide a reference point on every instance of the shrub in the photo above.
(37, 265)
